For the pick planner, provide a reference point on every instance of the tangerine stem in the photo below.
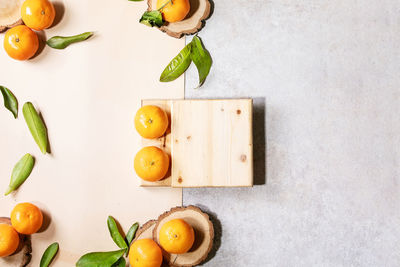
(169, 1)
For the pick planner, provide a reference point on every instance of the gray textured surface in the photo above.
(326, 83)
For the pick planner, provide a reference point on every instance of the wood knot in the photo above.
(176, 141)
(180, 180)
(189, 137)
(243, 158)
(238, 111)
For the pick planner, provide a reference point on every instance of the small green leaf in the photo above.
(36, 126)
(177, 66)
(10, 101)
(20, 173)
(100, 259)
(131, 233)
(201, 59)
(61, 42)
(115, 234)
(120, 263)
(152, 18)
(49, 255)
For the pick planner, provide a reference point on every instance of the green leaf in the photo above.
(100, 259)
(201, 59)
(152, 18)
(115, 234)
(131, 233)
(10, 101)
(120, 263)
(20, 173)
(49, 255)
(36, 126)
(178, 65)
(61, 42)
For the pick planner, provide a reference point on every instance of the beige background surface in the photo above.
(88, 95)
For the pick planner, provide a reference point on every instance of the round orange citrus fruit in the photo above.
(38, 14)
(173, 10)
(26, 218)
(151, 163)
(9, 240)
(151, 121)
(145, 253)
(21, 43)
(176, 236)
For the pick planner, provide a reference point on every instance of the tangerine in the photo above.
(151, 121)
(145, 253)
(176, 236)
(21, 43)
(9, 240)
(173, 10)
(26, 218)
(151, 163)
(38, 14)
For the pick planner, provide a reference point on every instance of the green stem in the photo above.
(170, 1)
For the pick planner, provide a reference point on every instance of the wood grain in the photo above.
(210, 142)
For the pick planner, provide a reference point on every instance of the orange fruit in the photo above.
(21, 43)
(176, 236)
(151, 121)
(145, 253)
(38, 14)
(9, 240)
(151, 163)
(26, 218)
(175, 10)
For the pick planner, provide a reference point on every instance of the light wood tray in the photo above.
(210, 143)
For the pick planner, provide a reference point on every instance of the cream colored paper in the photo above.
(88, 95)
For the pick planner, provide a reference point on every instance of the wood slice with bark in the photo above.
(146, 230)
(22, 256)
(200, 10)
(204, 235)
(10, 14)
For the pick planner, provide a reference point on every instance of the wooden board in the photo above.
(88, 95)
(210, 142)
